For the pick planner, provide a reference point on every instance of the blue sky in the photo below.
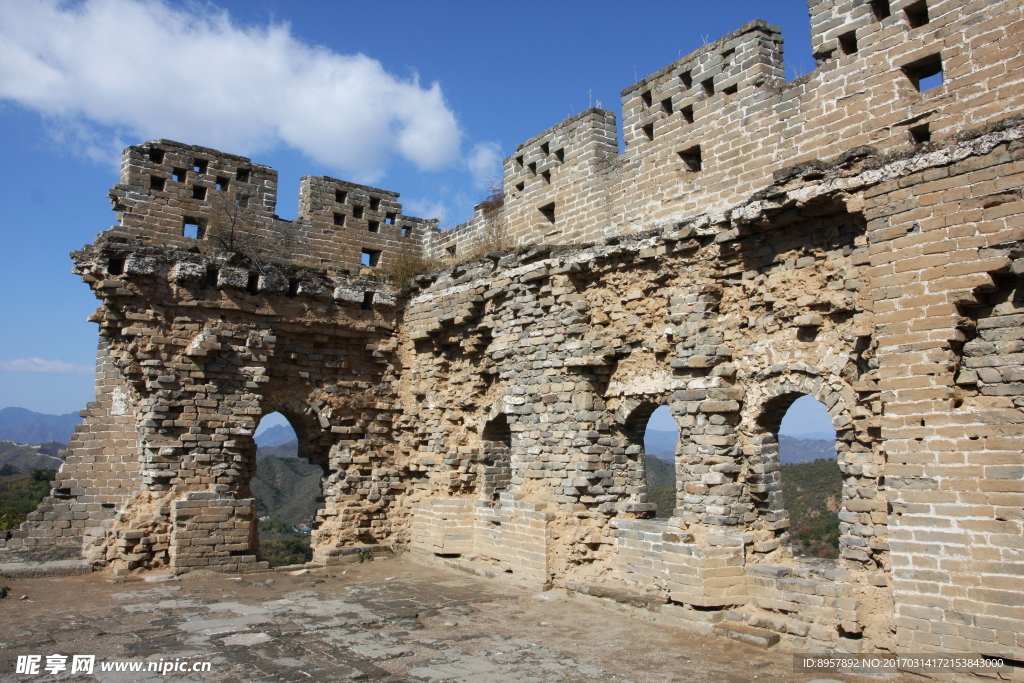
(421, 98)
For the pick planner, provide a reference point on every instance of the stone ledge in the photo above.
(25, 570)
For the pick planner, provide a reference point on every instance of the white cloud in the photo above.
(52, 367)
(425, 208)
(484, 162)
(104, 70)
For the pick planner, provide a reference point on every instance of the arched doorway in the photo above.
(660, 438)
(810, 482)
(288, 490)
(642, 468)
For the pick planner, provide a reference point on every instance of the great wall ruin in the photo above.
(853, 235)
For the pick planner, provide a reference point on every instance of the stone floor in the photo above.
(393, 620)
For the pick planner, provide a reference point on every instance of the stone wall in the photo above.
(491, 412)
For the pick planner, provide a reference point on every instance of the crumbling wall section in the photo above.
(205, 346)
(100, 472)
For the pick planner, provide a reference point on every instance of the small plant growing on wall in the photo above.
(408, 262)
(235, 228)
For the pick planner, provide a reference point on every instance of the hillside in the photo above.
(26, 426)
(22, 458)
(20, 493)
(811, 492)
(661, 485)
(286, 489)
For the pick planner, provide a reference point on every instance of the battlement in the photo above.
(188, 196)
(700, 134)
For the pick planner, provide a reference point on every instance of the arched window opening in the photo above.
(496, 457)
(811, 481)
(287, 491)
(660, 438)
(649, 470)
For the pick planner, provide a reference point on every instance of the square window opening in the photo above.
(666, 104)
(917, 13)
(691, 159)
(646, 98)
(339, 218)
(199, 165)
(649, 131)
(178, 175)
(156, 156)
(357, 212)
(193, 228)
(367, 301)
(881, 9)
(731, 90)
(920, 134)
(373, 226)
(242, 175)
(370, 258)
(222, 183)
(390, 218)
(548, 211)
(848, 43)
(374, 204)
(115, 266)
(340, 196)
(198, 192)
(242, 201)
(545, 149)
(926, 73)
(709, 86)
(253, 284)
(406, 230)
(687, 112)
(560, 155)
(686, 79)
(156, 183)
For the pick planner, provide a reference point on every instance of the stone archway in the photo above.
(761, 467)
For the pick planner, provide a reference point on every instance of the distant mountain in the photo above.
(805, 450)
(813, 436)
(22, 458)
(275, 436)
(25, 426)
(660, 443)
(285, 450)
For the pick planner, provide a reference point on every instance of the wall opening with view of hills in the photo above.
(287, 489)
(811, 481)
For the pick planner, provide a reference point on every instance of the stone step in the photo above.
(642, 600)
(747, 634)
(36, 570)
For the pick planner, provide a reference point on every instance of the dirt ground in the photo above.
(389, 620)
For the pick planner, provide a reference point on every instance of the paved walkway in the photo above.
(391, 621)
